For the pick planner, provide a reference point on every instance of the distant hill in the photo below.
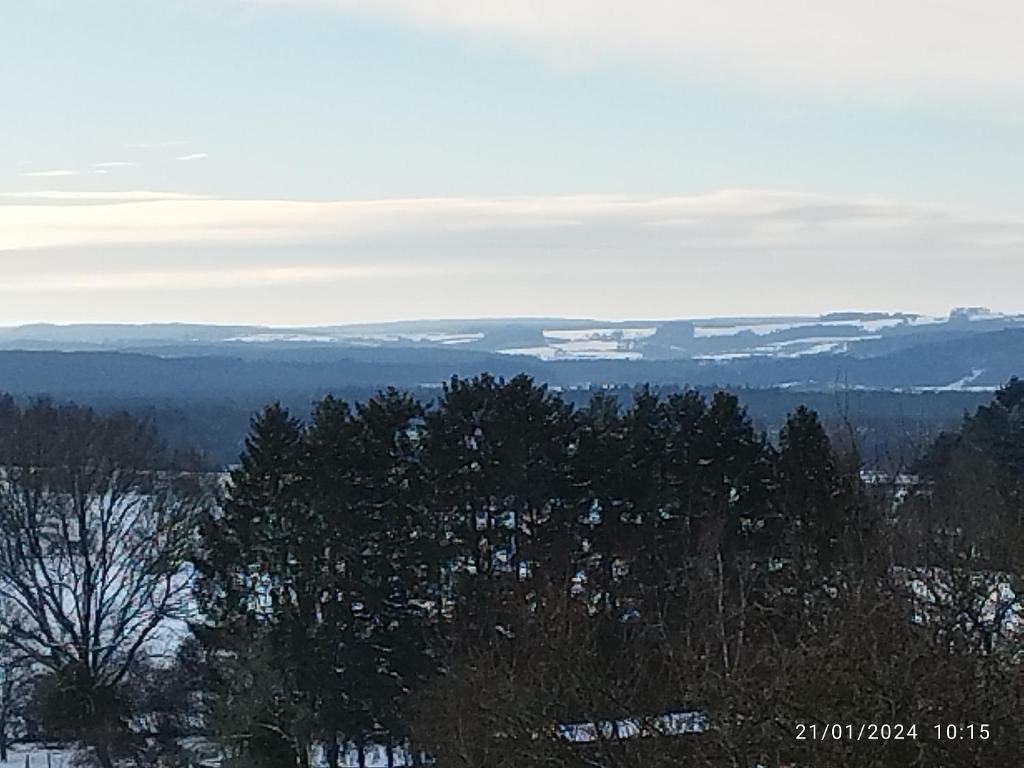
(703, 340)
(200, 384)
(979, 362)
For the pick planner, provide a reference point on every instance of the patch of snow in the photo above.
(761, 329)
(269, 338)
(669, 724)
(38, 756)
(441, 338)
(873, 326)
(927, 320)
(818, 349)
(544, 353)
(765, 328)
(595, 334)
(725, 356)
(961, 385)
(576, 350)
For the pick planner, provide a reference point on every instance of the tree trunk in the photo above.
(361, 751)
(741, 634)
(722, 631)
(391, 754)
(332, 751)
(102, 756)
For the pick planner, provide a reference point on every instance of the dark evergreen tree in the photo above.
(395, 558)
(734, 481)
(497, 455)
(811, 493)
(259, 586)
(598, 475)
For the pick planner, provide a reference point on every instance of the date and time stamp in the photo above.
(951, 732)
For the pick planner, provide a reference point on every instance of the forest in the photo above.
(501, 577)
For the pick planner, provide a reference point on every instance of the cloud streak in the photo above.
(169, 280)
(100, 196)
(917, 45)
(740, 251)
(194, 156)
(49, 174)
(727, 219)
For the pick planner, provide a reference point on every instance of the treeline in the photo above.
(891, 427)
(462, 579)
(479, 578)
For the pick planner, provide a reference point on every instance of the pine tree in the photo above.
(243, 541)
(497, 454)
(619, 527)
(998, 430)
(258, 587)
(598, 458)
(343, 713)
(811, 494)
(395, 556)
(734, 476)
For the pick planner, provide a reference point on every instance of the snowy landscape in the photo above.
(523, 384)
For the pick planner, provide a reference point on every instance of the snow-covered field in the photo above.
(762, 328)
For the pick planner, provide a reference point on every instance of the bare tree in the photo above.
(95, 534)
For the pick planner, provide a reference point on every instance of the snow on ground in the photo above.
(722, 356)
(768, 327)
(761, 329)
(811, 345)
(961, 385)
(441, 338)
(669, 724)
(37, 756)
(928, 320)
(271, 338)
(600, 334)
(576, 350)
(998, 607)
(376, 757)
(587, 344)
(368, 340)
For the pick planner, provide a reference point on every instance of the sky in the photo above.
(301, 162)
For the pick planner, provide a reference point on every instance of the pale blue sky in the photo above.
(562, 134)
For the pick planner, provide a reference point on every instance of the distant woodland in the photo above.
(505, 576)
(893, 428)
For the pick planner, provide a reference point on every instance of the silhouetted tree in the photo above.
(96, 531)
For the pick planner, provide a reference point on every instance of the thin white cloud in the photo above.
(929, 46)
(188, 280)
(760, 220)
(114, 164)
(100, 172)
(49, 174)
(744, 251)
(194, 156)
(101, 196)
